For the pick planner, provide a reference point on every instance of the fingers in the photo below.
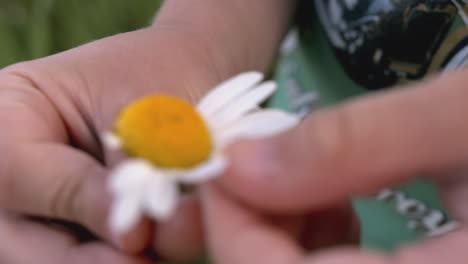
(181, 238)
(356, 148)
(450, 248)
(455, 196)
(236, 236)
(40, 174)
(101, 253)
(53, 180)
(447, 249)
(349, 255)
(24, 242)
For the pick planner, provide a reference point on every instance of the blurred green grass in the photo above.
(32, 29)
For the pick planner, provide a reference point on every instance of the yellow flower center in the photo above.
(165, 130)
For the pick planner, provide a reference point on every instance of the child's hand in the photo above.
(26, 241)
(53, 110)
(52, 113)
(353, 149)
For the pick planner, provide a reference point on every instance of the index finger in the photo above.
(356, 148)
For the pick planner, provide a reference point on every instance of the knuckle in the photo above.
(62, 195)
(66, 199)
(18, 75)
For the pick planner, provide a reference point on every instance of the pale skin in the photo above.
(48, 105)
(356, 148)
(53, 110)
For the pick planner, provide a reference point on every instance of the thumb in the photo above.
(355, 148)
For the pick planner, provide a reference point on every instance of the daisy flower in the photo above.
(171, 142)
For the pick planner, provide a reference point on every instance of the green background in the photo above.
(31, 29)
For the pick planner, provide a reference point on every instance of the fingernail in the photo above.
(255, 157)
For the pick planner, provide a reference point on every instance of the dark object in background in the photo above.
(383, 42)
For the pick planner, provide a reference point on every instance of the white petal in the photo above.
(125, 213)
(208, 170)
(257, 125)
(227, 91)
(161, 197)
(131, 176)
(243, 104)
(111, 141)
